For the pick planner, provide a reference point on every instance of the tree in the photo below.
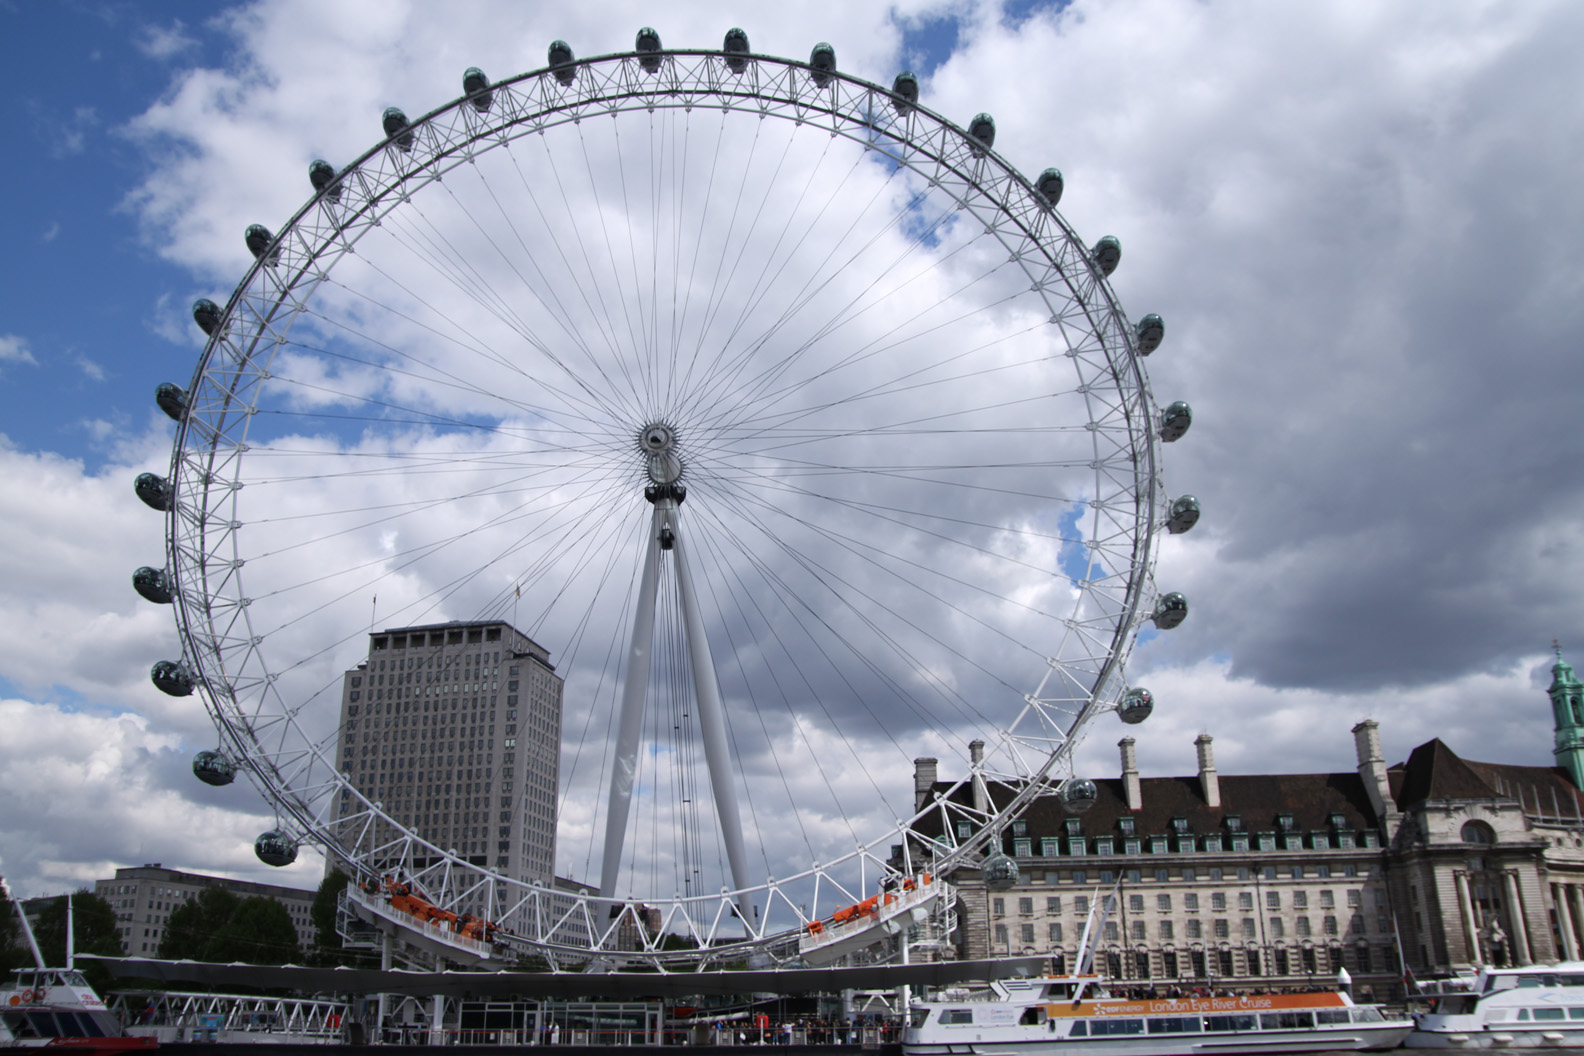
(14, 952)
(327, 943)
(218, 926)
(94, 930)
(193, 923)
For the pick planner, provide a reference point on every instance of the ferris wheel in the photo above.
(796, 426)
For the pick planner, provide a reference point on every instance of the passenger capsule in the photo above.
(561, 62)
(1079, 794)
(823, 61)
(1000, 872)
(213, 768)
(982, 128)
(172, 399)
(906, 91)
(1175, 421)
(1050, 184)
(1107, 254)
(1136, 706)
(322, 175)
(1171, 610)
(154, 490)
(648, 48)
(153, 584)
(258, 239)
(736, 47)
(1151, 331)
(171, 677)
(396, 127)
(206, 314)
(275, 848)
(477, 87)
(1183, 515)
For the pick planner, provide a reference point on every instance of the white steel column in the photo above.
(624, 767)
(712, 718)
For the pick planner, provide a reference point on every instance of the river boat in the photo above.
(1538, 1006)
(1075, 1016)
(55, 1008)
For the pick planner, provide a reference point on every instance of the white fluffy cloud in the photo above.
(1360, 239)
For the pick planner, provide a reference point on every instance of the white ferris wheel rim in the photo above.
(229, 660)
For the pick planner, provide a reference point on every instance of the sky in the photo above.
(1357, 220)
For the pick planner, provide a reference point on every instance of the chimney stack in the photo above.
(981, 795)
(1372, 768)
(925, 772)
(1130, 774)
(1209, 784)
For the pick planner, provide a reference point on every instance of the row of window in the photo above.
(1084, 846)
(1189, 874)
(1190, 902)
(1221, 928)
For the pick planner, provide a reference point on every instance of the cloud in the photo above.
(163, 43)
(1371, 296)
(51, 232)
(14, 349)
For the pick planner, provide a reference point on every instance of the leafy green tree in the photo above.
(14, 952)
(193, 923)
(327, 949)
(219, 926)
(259, 932)
(94, 930)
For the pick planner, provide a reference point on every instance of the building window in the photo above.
(1275, 928)
(1053, 904)
(1297, 872)
(1303, 927)
(1267, 842)
(998, 906)
(1300, 900)
(1191, 902)
(1139, 932)
(1081, 905)
(1136, 903)
(1284, 822)
(1253, 958)
(1218, 901)
(1163, 903)
(1157, 845)
(1220, 925)
(1195, 930)
(1112, 932)
(1026, 934)
(1133, 846)
(1103, 845)
(1025, 907)
(1329, 925)
(1048, 847)
(1053, 932)
(1075, 846)
(1022, 848)
(1020, 828)
(1212, 844)
(1245, 900)
(1327, 900)
(1323, 872)
(1126, 825)
(964, 830)
(1001, 935)
(1248, 928)
(1166, 930)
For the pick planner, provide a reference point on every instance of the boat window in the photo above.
(1523, 1013)
(1331, 1015)
(1576, 1013)
(75, 979)
(1572, 980)
(1229, 1023)
(953, 1016)
(1286, 1020)
(1550, 1013)
(1101, 1027)
(1174, 1025)
(1526, 982)
(919, 1016)
(1080, 1029)
(1033, 1016)
(18, 1025)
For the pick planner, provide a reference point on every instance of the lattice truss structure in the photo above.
(1110, 557)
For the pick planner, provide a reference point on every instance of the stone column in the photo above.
(1466, 911)
(1574, 903)
(1520, 936)
(1564, 920)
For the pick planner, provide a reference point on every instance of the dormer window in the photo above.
(1020, 828)
(1234, 823)
(1284, 822)
(1179, 825)
(1127, 827)
(1074, 827)
(1338, 821)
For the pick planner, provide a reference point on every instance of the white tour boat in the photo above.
(1073, 1014)
(1540, 1006)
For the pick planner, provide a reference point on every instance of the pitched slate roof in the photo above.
(1255, 798)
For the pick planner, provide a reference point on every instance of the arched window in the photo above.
(1478, 832)
(1577, 716)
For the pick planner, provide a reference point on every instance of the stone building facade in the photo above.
(1434, 864)
(144, 896)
